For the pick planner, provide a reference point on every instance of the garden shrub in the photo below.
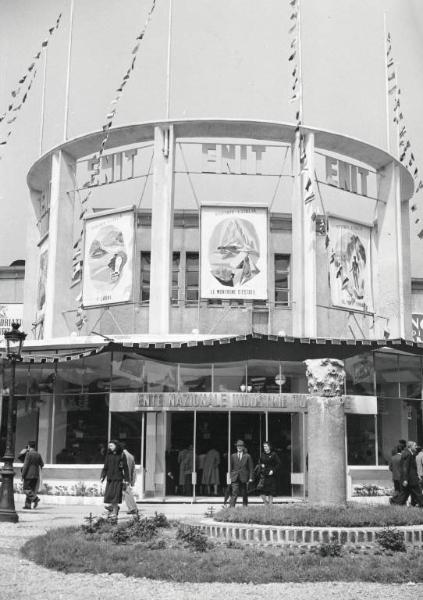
(332, 548)
(391, 539)
(144, 529)
(160, 520)
(193, 537)
(121, 535)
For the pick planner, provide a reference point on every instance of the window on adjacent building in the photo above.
(192, 277)
(175, 278)
(282, 279)
(145, 276)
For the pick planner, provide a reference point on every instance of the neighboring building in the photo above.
(218, 256)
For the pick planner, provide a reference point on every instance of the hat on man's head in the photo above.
(240, 443)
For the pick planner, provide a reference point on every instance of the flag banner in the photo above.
(108, 258)
(350, 265)
(234, 252)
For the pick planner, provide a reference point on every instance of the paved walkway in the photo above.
(21, 579)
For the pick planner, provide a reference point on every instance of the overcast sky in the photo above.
(229, 59)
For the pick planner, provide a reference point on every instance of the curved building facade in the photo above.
(176, 287)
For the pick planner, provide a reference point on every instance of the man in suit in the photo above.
(31, 469)
(241, 473)
(410, 483)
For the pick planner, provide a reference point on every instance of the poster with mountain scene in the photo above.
(234, 252)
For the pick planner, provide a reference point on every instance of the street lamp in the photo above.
(14, 340)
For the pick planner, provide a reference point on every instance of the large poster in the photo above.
(417, 327)
(234, 252)
(108, 258)
(350, 265)
(9, 313)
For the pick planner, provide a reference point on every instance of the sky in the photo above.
(229, 58)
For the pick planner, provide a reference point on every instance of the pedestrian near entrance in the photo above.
(241, 473)
(395, 467)
(128, 493)
(31, 473)
(410, 485)
(267, 470)
(115, 472)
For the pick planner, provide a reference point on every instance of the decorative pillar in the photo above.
(326, 432)
(304, 318)
(60, 240)
(162, 230)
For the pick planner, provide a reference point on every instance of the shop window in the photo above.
(361, 440)
(192, 277)
(282, 279)
(126, 427)
(128, 372)
(229, 377)
(359, 372)
(410, 376)
(145, 276)
(80, 428)
(386, 365)
(160, 377)
(195, 378)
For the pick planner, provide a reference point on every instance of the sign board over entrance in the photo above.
(179, 401)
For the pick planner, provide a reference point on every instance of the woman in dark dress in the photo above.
(116, 473)
(267, 468)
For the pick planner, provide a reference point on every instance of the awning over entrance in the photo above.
(198, 349)
(261, 346)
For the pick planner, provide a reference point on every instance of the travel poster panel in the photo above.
(234, 252)
(350, 265)
(108, 259)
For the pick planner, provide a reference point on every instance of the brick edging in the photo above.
(273, 535)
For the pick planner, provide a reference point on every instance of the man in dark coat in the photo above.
(395, 467)
(32, 466)
(410, 483)
(241, 473)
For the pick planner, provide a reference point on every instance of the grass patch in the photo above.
(168, 557)
(352, 515)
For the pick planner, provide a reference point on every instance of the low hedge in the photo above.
(305, 515)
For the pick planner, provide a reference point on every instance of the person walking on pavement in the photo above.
(241, 473)
(395, 468)
(410, 484)
(128, 494)
(267, 468)
(31, 472)
(115, 471)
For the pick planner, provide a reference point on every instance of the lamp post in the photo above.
(14, 340)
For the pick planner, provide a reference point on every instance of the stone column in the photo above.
(326, 432)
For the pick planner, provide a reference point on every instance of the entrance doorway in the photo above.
(199, 445)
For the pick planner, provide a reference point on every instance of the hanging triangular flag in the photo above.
(420, 234)
(293, 16)
(292, 56)
(419, 186)
(392, 89)
(391, 76)
(416, 172)
(413, 207)
(390, 63)
(44, 44)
